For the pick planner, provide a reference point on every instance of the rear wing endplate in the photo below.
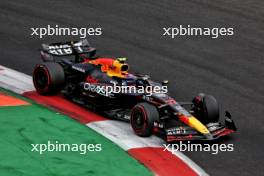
(69, 48)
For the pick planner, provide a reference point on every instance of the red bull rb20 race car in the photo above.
(74, 70)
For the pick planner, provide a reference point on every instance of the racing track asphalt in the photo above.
(230, 68)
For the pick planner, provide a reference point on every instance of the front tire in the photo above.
(142, 120)
(48, 78)
(206, 108)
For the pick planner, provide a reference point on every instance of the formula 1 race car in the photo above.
(73, 69)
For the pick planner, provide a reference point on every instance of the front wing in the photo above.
(181, 133)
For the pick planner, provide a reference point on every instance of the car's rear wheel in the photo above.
(142, 120)
(206, 108)
(48, 78)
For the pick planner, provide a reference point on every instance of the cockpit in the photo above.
(113, 67)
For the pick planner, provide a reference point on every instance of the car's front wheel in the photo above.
(206, 108)
(142, 119)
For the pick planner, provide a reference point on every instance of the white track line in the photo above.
(15, 81)
(119, 132)
(122, 134)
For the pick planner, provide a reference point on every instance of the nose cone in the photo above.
(208, 136)
(196, 124)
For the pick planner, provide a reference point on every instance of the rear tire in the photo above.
(48, 78)
(142, 120)
(206, 108)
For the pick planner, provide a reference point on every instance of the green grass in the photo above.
(22, 126)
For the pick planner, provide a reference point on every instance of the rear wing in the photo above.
(67, 49)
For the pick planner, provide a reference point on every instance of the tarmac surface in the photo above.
(230, 67)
